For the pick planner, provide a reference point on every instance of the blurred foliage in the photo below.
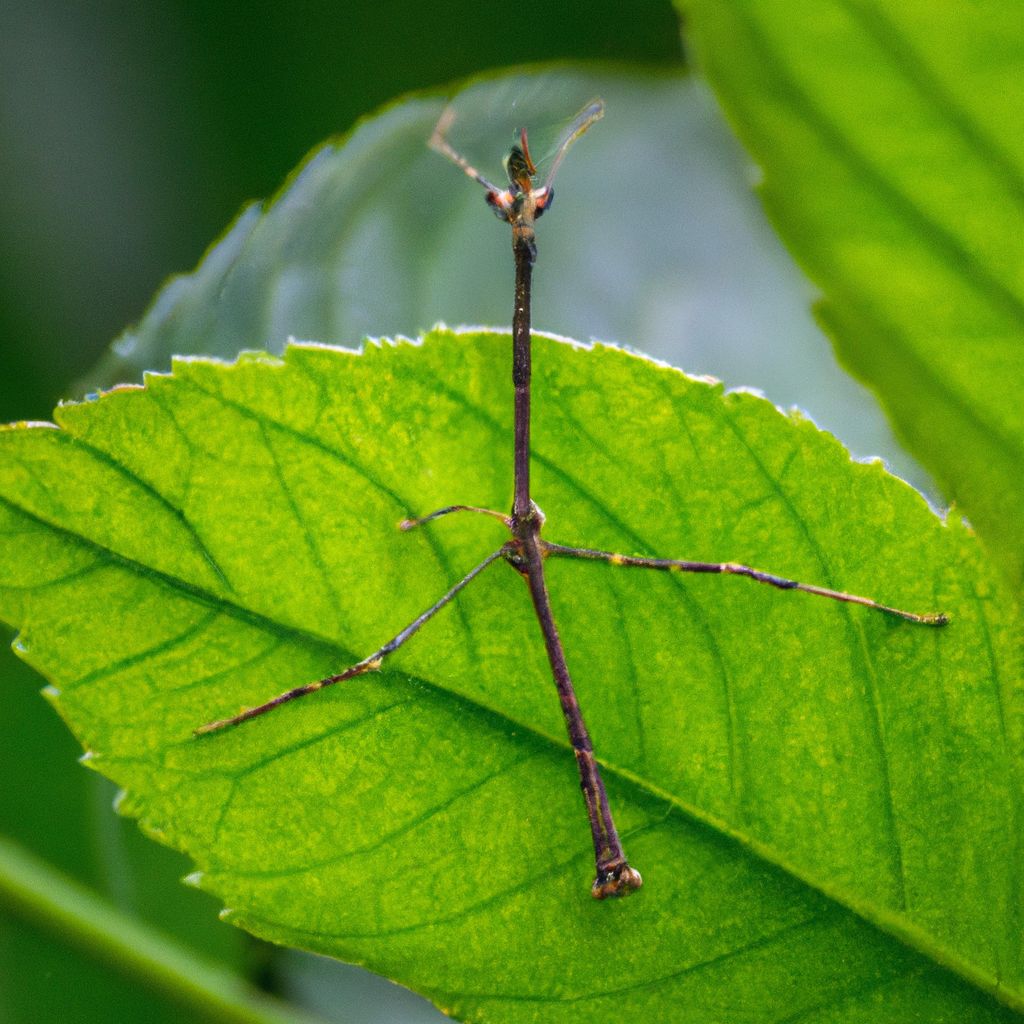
(132, 134)
(375, 235)
(893, 168)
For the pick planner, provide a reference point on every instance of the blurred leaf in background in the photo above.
(131, 135)
(893, 160)
(658, 243)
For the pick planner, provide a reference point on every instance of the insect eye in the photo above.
(495, 203)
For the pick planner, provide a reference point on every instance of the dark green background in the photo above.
(130, 136)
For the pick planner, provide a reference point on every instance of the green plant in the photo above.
(837, 837)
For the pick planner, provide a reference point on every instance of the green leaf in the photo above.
(835, 838)
(894, 170)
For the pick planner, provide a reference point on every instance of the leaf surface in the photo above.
(825, 803)
(894, 169)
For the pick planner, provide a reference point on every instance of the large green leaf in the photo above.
(835, 838)
(894, 168)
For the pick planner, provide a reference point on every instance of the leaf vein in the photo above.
(592, 995)
(346, 459)
(692, 607)
(382, 841)
(140, 657)
(875, 718)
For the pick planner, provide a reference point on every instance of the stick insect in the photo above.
(519, 204)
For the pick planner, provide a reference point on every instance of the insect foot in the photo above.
(615, 879)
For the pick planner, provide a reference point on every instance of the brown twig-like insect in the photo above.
(520, 204)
